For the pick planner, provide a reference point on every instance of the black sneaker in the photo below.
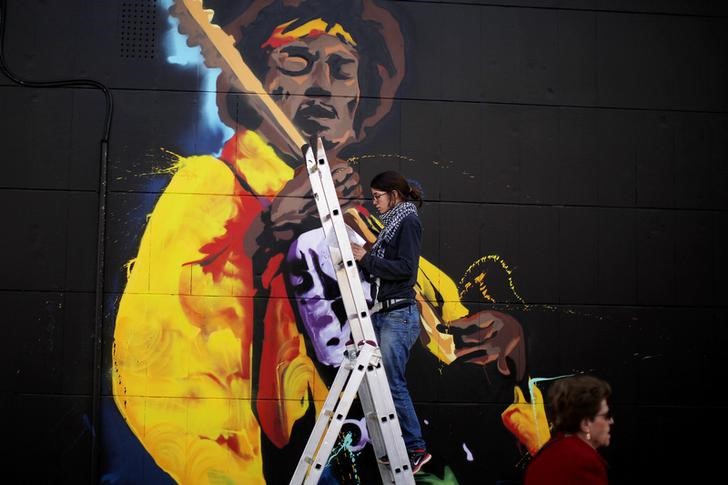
(418, 458)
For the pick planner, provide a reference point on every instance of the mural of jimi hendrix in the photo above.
(230, 327)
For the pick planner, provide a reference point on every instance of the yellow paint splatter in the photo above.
(476, 276)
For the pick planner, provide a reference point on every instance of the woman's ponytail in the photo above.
(415, 192)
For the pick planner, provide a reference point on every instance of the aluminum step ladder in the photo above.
(361, 372)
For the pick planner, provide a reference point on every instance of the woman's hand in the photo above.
(358, 251)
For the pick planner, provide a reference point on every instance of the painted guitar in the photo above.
(218, 50)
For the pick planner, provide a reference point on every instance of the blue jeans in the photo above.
(396, 331)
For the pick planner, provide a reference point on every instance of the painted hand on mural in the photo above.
(489, 336)
(293, 211)
(288, 213)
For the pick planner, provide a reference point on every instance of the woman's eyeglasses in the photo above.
(607, 415)
(378, 196)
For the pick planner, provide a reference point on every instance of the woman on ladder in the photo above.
(393, 261)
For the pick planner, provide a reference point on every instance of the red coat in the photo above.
(567, 460)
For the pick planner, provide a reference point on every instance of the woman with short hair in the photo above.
(581, 424)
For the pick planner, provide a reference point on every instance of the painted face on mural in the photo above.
(313, 280)
(315, 81)
(600, 426)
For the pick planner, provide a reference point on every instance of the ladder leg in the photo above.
(383, 426)
(339, 415)
(325, 415)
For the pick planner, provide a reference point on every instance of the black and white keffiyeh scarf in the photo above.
(391, 220)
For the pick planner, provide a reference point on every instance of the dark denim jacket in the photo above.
(397, 270)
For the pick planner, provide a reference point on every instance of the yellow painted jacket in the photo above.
(182, 366)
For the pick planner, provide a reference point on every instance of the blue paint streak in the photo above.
(535, 380)
(211, 133)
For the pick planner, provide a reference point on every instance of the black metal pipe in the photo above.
(99, 310)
